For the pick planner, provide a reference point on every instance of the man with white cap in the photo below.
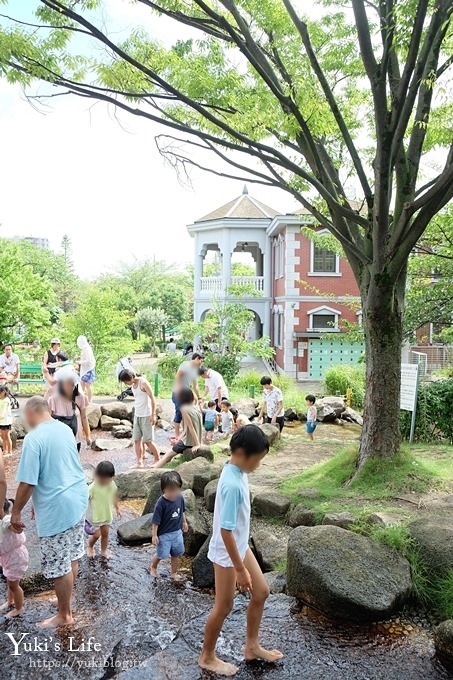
(53, 359)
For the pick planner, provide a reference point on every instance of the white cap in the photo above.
(55, 341)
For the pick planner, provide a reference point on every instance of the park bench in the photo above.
(30, 374)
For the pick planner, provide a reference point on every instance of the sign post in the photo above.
(408, 396)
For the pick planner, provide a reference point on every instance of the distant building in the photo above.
(36, 241)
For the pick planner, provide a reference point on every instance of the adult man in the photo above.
(51, 474)
(215, 385)
(186, 378)
(272, 403)
(10, 364)
(171, 346)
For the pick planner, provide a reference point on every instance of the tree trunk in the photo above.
(383, 327)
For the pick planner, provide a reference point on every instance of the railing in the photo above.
(256, 281)
(210, 285)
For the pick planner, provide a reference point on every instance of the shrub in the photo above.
(338, 378)
(244, 380)
(227, 365)
(433, 417)
(168, 365)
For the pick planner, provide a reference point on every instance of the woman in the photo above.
(53, 359)
(192, 428)
(87, 366)
(68, 404)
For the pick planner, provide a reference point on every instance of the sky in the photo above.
(74, 167)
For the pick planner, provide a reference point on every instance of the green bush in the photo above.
(338, 378)
(434, 413)
(243, 381)
(168, 365)
(227, 365)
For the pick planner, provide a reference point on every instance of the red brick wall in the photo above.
(315, 285)
(347, 313)
(279, 285)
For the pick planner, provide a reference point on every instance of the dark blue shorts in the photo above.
(178, 415)
(171, 544)
(311, 427)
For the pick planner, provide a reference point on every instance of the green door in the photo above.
(324, 353)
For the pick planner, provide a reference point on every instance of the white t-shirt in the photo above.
(231, 512)
(213, 382)
(171, 348)
(227, 421)
(9, 364)
(272, 399)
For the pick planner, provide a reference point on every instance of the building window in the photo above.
(324, 319)
(278, 326)
(279, 257)
(324, 261)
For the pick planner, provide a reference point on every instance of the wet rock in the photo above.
(121, 432)
(301, 516)
(291, 414)
(203, 452)
(136, 483)
(202, 477)
(198, 527)
(329, 409)
(189, 500)
(443, 641)
(100, 444)
(248, 407)
(270, 504)
(384, 519)
(210, 494)
(136, 531)
(345, 575)
(339, 519)
(352, 416)
(108, 423)
(94, 414)
(154, 491)
(434, 538)
(164, 425)
(272, 433)
(276, 582)
(270, 550)
(189, 469)
(202, 568)
(116, 409)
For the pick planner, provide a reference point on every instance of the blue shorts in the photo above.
(209, 426)
(178, 415)
(311, 427)
(89, 377)
(171, 544)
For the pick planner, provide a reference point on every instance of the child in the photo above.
(6, 419)
(311, 415)
(234, 563)
(101, 501)
(145, 415)
(169, 521)
(210, 421)
(272, 404)
(192, 432)
(227, 418)
(14, 562)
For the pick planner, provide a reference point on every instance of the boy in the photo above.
(311, 415)
(234, 563)
(102, 499)
(272, 404)
(145, 415)
(210, 421)
(169, 521)
(227, 418)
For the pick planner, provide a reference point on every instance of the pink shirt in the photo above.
(61, 406)
(13, 551)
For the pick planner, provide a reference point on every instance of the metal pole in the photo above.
(252, 391)
(414, 412)
(156, 385)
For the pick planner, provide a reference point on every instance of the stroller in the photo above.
(125, 363)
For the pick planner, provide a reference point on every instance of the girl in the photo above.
(14, 562)
(102, 500)
(69, 405)
(87, 366)
(192, 423)
(6, 419)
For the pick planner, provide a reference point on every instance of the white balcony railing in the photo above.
(214, 285)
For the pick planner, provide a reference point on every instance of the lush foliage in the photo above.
(338, 378)
(227, 365)
(151, 322)
(434, 419)
(168, 365)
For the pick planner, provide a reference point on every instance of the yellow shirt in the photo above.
(101, 500)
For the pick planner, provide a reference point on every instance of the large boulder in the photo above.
(136, 483)
(272, 433)
(247, 406)
(443, 641)
(108, 423)
(352, 416)
(100, 444)
(339, 519)
(116, 409)
(270, 504)
(94, 414)
(329, 409)
(136, 531)
(291, 414)
(384, 519)
(205, 475)
(202, 568)
(434, 537)
(301, 516)
(210, 494)
(276, 581)
(270, 550)
(191, 468)
(154, 491)
(345, 575)
(20, 427)
(121, 432)
(165, 409)
(164, 425)
(198, 529)
(203, 452)
(89, 472)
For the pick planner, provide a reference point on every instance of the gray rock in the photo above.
(165, 409)
(270, 504)
(308, 493)
(203, 476)
(116, 409)
(291, 414)
(272, 433)
(136, 483)
(121, 432)
(100, 444)
(189, 500)
(94, 414)
(270, 550)
(276, 582)
(301, 516)
(443, 642)
(136, 531)
(210, 494)
(191, 468)
(164, 425)
(202, 568)
(384, 519)
(434, 538)
(329, 408)
(198, 532)
(89, 472)
(203, 452)
(108, 423)
(339, 519)
(352, 416)
(345, 575)
(20, 427)
(248, 407)
(126, 423)
(154, 492)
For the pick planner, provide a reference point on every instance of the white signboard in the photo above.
(409, 380)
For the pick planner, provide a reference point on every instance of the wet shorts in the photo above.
(143, 429)
(57, 552)
(171, 544)
(311, 427)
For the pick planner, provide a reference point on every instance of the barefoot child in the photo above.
(169, 521)
(227, 418)
(235, 565)
(6, 419)
(14, 562)
(312, 414)
(145, 415)
(102, 499)
(210, 421)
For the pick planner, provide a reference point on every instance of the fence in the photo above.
(431, 358)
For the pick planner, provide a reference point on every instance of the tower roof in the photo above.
(243, 207)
